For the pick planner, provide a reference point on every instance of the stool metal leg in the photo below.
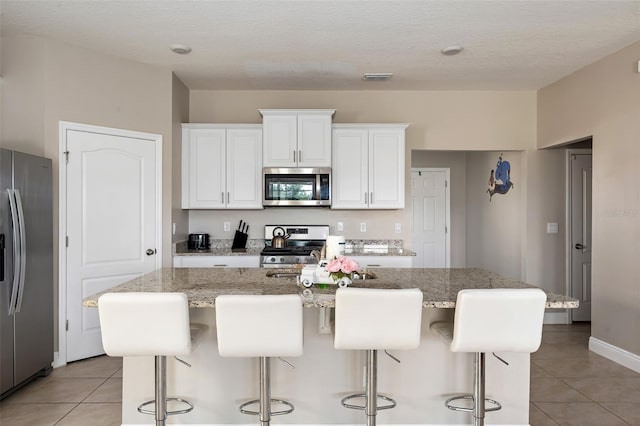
(161, 390)
(478, 388)
(371, 409)
(265, 391)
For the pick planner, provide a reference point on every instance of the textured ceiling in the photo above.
(323, 44)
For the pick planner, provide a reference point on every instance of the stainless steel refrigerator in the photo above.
(26, 269)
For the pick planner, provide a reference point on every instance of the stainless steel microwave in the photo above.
(296, 186)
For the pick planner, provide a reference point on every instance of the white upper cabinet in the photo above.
(221, 166)
(297, 138)
(368, 166)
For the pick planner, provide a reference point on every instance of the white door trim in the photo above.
(568, 221)
(65, 126)
(447, 216)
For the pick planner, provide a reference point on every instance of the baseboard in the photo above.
(57, 362)
(556, 317)
(615, 354)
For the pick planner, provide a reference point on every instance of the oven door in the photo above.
(296, 187)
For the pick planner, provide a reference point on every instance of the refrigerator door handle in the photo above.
(23, 250)
(16, 252)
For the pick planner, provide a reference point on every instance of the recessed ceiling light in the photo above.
(181, 49)
(377, 76)
(452, 50)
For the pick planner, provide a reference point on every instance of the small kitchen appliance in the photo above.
(301, 240)
(198, 241)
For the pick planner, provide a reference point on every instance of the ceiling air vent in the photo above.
(377, 76)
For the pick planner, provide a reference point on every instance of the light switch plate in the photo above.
(227, 226)
(552, 228)
(340, 226)
(398, 227)
(363, 226)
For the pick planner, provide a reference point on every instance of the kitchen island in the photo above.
(323, 375)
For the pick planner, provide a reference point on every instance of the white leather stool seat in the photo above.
(143, 324)
(367, 318)
(495, 320)
(259, 325)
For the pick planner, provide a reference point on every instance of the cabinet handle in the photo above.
(371, 198)
(366, 197)
(220, 265)
(228, 198)
(300, 156)
(294, 155)
(222, 197)
(373, 265)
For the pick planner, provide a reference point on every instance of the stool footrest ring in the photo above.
(273, 413)
(168, 413)
(497, 406)
(362, 407)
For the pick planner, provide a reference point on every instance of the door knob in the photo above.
(580, 246)
(151, 252)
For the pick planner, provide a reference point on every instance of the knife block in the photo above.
(239, 242)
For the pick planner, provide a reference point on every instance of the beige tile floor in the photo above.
(569, 386)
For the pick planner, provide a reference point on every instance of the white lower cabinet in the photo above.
(368, 166)
(383, 261)
(216, 261)
(221, 166)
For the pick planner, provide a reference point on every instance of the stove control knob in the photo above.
(282, 259)
(272, 260)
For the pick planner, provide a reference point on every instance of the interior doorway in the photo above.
(431, 217)
(579, 184)
(110, 223)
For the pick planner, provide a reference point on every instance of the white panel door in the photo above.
(386, 168)
(244, 168)
(581, 174)
(430, 218)
(112, 224)
(207, 168)
(314, 140)
(349, 179)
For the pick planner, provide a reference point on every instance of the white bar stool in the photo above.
(145, 324)
(262, 326)
(492, 320)
(373, 319)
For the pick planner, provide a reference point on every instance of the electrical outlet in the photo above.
(363, 226)
(398, 228)
(227, 226)
(340, 226)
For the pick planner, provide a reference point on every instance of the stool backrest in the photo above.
(368, 318)
(498, 320)
(143, 324)
(259, 325)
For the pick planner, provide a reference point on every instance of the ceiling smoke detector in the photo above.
(452, 50)
(180, 49)
(377, 76)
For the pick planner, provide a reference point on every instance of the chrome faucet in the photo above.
(316, 254)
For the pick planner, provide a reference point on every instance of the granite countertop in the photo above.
(202, 285)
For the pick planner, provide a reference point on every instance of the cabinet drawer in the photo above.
(216, 261)
(383, 261)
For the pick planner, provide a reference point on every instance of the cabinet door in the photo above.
(386, 168)
(383, 261)
(349, 184)
(280, 146)
(314, 140)
(244, 168)
(206, 169)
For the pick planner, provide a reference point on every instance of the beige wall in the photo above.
(439, 121)
(45, 82)
(180, 114)
(603, 100)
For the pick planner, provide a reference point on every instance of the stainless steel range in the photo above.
(300, 241)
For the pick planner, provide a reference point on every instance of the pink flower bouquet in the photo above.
(342, 267)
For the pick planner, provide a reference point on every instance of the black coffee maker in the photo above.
(198, 242)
